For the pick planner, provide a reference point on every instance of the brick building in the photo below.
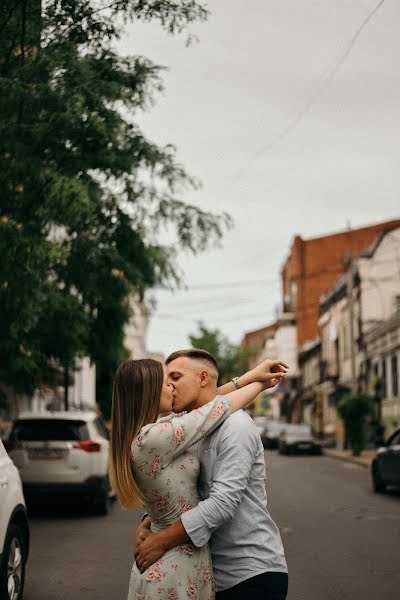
(254, 342)
(314, 265)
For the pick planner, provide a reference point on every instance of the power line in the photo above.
(325, 80)
(233, 284)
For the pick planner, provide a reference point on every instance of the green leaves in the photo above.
(83, 193)
(232, 360)
(353, 409)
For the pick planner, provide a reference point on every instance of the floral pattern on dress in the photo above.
(167, 474)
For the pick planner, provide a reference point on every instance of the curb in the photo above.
(358, 460)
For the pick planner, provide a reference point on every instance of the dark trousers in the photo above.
(267, 586)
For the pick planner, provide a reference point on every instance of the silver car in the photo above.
(14, 530)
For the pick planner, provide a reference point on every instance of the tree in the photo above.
(353, 410)
(232, 360)
(83, 193)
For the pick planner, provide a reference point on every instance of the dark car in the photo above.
(385, 468)
(270, 434)
(298, 439)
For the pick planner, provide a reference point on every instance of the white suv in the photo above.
(14, 530)
(63, 453)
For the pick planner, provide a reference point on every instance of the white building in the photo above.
(136, 330)
(376, 300)
(281, 342)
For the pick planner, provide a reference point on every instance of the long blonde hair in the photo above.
(135, 403)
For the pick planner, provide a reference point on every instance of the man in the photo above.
(247, 553)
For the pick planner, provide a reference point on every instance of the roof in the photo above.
(337, 291)
(392, 224)
(251, 337)
(372, 248)
(59, 414)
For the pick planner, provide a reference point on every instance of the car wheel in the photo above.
(377, 484)
(12, 570)
(102, 502)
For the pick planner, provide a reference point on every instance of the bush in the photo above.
(353, 409)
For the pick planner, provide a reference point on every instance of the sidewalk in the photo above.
(364, 460)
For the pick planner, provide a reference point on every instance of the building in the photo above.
(277, 340)
(352, 361)
(310, 376)
(254, 342)
(313, 266)
(382, 353)
(136, 329)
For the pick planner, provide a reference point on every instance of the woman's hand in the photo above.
(149, 551)
(263, 371)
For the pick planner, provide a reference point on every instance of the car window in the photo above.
(395, 440)
(101, 428)
(35, 430)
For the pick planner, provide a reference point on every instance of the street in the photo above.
(341, 540)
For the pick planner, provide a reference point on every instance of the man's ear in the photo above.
(204, 378)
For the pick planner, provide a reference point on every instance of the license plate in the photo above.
(46, 453)
(304, 446)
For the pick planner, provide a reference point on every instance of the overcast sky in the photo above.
(285, 133)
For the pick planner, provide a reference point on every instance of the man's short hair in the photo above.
(193, 353)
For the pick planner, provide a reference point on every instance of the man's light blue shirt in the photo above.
(233, 515)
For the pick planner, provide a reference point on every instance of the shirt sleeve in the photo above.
(237, 448)
(170, 437)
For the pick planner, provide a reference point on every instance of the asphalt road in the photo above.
(77, 556)
(342, 542)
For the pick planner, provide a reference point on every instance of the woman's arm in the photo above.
(259, 373)
(244, 396)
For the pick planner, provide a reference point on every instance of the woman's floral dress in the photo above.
(167, 474)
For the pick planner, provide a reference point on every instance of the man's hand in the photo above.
(142, 532)
(156, 544)
(149, 551)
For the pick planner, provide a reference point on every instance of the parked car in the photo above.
(271, 432)
(260, 422)
(298, 439)
(14, 530)
(385, 468)
(63, 453)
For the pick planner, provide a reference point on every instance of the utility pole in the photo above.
(350, 302)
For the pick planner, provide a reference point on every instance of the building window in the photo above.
(384, 379)
(346, 341)
(396, 302)
(395, 376)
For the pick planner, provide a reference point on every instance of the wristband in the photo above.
(235, 381)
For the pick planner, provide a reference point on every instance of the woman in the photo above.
(150, 465)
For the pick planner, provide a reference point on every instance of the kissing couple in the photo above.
(200, 474)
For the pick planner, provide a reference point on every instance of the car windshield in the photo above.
(35, 430)
(296, 430)
(276, 426)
